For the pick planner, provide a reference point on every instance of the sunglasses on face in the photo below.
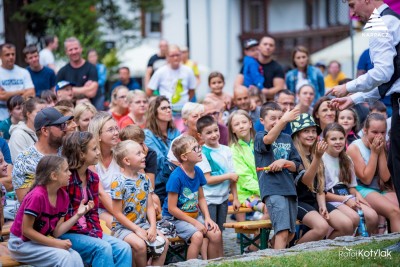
(61, 126)
(165, 108)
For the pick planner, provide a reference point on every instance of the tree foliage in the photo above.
(81, 18)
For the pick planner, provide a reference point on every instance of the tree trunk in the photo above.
(15, 31)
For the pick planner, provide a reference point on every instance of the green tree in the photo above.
(64, 18)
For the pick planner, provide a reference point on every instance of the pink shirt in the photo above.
(82, 220)
(36, 203)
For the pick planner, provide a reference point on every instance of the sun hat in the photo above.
(303, 121)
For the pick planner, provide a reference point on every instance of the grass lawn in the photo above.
(335, 257)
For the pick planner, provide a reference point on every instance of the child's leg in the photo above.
(352, 214)
(195, 245)
(139, 249)
(157, 203)
(160, 260)
(281, 239)
(214, 249)
(341, 224)
(191, 235)
(39, 255)
(318, 227)
(384, 206)
(371, 219)
(283, 213)
(204, 247)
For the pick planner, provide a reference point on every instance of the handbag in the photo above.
(340, 189)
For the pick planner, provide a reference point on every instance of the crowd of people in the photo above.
(70, 169)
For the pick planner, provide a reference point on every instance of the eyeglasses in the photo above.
(165, 108)
(196, 149)
(61, 126)
(112, 130)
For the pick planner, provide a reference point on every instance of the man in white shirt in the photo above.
(46, 55)
(14, 80)
(174, 80)
(384, 45)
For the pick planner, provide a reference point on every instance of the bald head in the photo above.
(241, 97)
(213, 108)
(163, 48)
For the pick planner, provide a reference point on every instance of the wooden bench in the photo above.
(259, 229)
(241, 210)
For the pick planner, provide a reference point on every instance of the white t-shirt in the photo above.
(167, 81)
(301, 81)
(13, 80)
(106, 175)
(222, 156)
(332, 170)
(46, 57)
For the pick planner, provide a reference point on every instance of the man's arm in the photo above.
(89, 89)
(278, 85)
(147, 76)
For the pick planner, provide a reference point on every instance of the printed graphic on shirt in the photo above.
(189, 200)
(134, 195)
(281, 150)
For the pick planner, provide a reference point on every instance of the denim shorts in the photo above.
(283, 212)
(122, 232)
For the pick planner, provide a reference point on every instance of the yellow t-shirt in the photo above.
(193, 66)
(330, 82)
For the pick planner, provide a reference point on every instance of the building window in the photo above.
(337, 13)
(312, 13)
(254, 16)
(151, 24)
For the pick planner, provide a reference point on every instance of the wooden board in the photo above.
(249, 225)
(241, 210)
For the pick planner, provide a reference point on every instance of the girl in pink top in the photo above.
(41, 217)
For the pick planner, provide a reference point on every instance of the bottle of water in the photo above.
(362, 228)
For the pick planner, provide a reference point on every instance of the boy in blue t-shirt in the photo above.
(253, 73)
(217, 166)
(276, 150)
(186, 199)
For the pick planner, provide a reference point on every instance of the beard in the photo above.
(54, 141)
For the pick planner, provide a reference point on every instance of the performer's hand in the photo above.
(338, 91)
(341, 103)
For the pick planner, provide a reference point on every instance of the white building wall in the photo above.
(214, 30)
(286, 15)
(2, 29)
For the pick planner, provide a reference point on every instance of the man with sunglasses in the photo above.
(50, 126)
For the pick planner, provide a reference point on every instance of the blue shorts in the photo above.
(364, 190)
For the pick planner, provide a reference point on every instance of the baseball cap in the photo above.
(249, 43)
(62, 84)
(49, 116)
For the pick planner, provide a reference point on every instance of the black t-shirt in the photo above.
(271, 70)
(304, 194)
(156, 62)
(78, 76)
(151, 162)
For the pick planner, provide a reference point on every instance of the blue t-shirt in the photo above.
(45, 79)
(132, 85)
(365, 63)
(187, 189)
